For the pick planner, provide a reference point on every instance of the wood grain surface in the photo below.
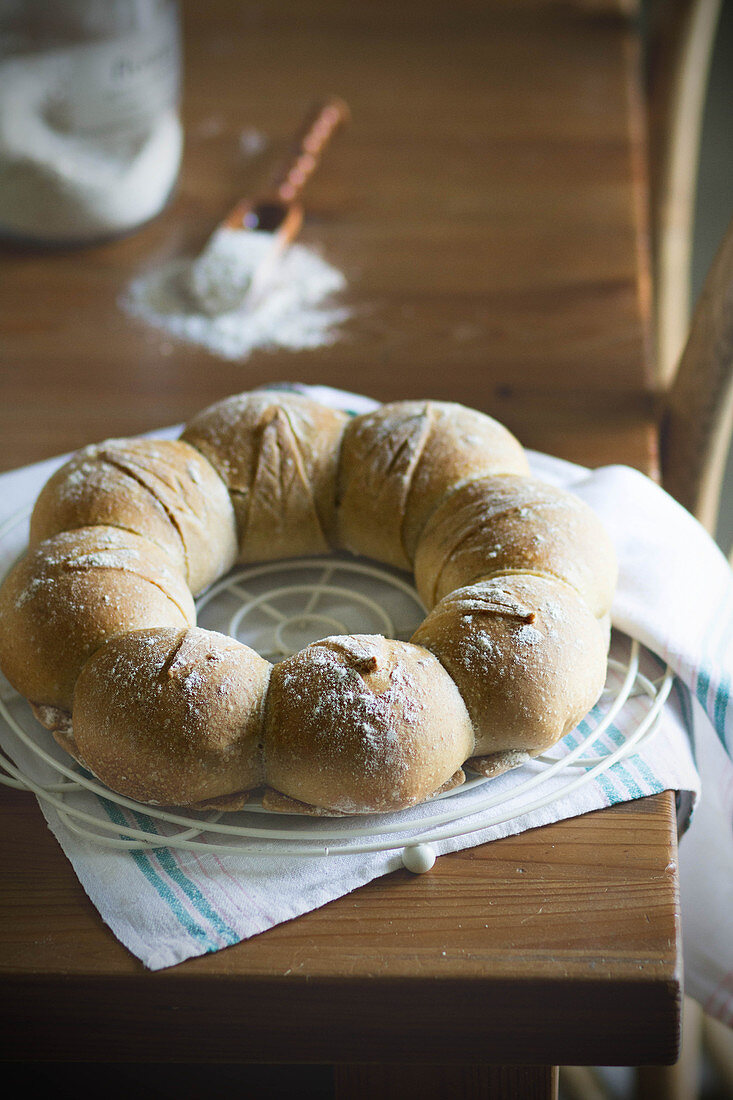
(486, 205)
(560, 942)
(483, 204)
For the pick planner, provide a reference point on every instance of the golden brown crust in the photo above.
(277, 454)
(275, 802)
(161, 489)
(59, 723)
(71, 593)
(226, 803)
(362, 723)
(173, 716)
(53, 718)
(505, 524)
(497, 763)
(398, 462)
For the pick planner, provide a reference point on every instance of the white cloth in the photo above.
(675, 595)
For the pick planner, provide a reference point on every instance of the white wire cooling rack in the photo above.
(277, 608)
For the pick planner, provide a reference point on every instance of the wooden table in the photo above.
(487, 207)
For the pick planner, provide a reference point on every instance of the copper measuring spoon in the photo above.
(218, 280)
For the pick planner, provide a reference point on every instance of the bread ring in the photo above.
(97, 621)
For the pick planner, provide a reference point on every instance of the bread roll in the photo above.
(161, 489)
(499, 524)
(172, 716)
(277, 454)
(528, 657)
(362, 723)
(71, 593)
(398, 462)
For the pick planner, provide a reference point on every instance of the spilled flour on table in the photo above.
(297, 310)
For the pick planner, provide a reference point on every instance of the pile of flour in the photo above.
(295, 310)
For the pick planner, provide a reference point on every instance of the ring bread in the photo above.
(162, 489)
(98, 626)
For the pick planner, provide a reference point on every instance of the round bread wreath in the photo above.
(98, 622)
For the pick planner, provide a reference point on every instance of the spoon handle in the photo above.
(309, 144)
(278, 212)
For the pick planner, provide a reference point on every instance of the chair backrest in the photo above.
(693, 358)
(697, 418)
(680, 40)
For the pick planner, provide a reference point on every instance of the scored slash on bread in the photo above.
(98, 625)
(277, 457)
(161, 489)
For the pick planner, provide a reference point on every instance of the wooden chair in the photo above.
(696, 397)
(680, 37)
(693, 360)
(696, 428)
(694, 365)
(694, 393)
(697, 408)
